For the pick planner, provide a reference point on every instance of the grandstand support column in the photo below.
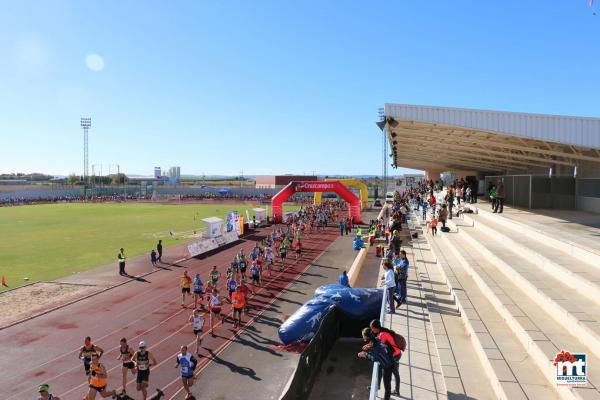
(433, 174)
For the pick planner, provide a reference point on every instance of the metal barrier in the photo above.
(312, 357)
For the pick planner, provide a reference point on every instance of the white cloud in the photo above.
(32, 55)
(94, 62)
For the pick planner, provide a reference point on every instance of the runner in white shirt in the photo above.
(197, 324)
(269, 257)
(214, 305)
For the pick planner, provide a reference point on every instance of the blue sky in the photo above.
(217, 87)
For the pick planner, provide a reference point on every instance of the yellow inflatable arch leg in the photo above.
(350, 182)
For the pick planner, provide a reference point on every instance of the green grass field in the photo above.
(45, 242)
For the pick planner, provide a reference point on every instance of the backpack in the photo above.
(398, 339)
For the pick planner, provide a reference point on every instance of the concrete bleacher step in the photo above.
(566, 305)
(553, 260)
(462, 370)
(534, 326)
(566, 241)
(512, 373)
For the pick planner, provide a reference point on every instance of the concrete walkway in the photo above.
(420, 367)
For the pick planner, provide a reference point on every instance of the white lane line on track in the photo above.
(162, 322)
(68, 353)
(170, 358)
(221, 348)
(111, 349)
(79, 366)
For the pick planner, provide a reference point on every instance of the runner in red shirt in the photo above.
(298, 249)
(243, 289)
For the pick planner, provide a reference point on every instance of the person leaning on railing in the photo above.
(376, 351)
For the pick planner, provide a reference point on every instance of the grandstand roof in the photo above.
(487, 140)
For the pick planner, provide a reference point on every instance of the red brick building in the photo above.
(279, 181)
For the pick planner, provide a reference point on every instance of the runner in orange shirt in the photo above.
(98, 380)
(186, 283)
(239, 302)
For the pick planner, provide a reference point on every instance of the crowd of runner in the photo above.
(207, 296)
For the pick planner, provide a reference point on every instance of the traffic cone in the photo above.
(4, 281)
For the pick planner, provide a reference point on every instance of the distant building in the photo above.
(145, 179)
(279, 181)
(411, 179)
(174, 175)
(157, 172)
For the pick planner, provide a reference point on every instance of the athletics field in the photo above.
(49, 241)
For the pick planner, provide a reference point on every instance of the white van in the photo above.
(389, 197)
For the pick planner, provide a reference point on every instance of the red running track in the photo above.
(45, 349)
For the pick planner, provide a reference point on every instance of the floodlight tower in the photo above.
(383, 152)
(86, 124)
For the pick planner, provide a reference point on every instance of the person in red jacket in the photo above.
(386, 337)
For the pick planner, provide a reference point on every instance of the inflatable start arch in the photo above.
(351, 182)
(316, 187)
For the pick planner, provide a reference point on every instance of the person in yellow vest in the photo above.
(98, 380)
(121, 260)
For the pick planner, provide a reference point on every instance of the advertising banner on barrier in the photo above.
(231, 237)
(202, 246)
(233, 222)
(229, 222)
(194, 249)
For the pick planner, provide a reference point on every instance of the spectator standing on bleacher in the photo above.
(433, 202)
(493, 193)
(389, 282)
(443, 215)
(403, 276)
(500, 194)
(396, 242)
(450, 201)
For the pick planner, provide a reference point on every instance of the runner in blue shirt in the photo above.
(186, 364)
(198, 291)
(231, 285)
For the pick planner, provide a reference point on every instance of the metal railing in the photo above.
(375, 375)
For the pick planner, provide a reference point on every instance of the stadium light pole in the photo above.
(381, 113)
(86, 124)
